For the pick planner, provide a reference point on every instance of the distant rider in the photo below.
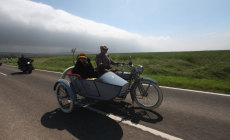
(22, 61)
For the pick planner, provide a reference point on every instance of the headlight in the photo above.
(140, 69)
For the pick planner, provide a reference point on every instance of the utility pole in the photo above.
(73, 51)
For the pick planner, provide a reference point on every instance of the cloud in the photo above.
(27, 26)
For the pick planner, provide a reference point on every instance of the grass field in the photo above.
(204, 70)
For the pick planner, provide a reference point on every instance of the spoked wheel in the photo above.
(66, 103)
(147, 94)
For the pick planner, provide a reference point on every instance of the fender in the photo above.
(67, 86)
(137, 81)
(64, 73)
(147, 79)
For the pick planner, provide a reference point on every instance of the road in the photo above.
(29, 110)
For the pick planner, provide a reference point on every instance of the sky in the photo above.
(56, 26)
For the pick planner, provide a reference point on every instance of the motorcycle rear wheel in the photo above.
(30, 71)
(66, 103)
(147, 94)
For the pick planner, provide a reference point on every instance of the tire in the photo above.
(66, 103)
(147, 94)
(30, 71)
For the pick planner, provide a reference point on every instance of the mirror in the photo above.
(130, 60)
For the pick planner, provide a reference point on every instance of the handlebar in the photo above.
(123, 65)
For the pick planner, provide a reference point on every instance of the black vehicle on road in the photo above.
(25, 65)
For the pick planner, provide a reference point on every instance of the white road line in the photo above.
(49, 71)
(9, 65)
(39, 70)
(197, 91)
(3, 74)
(139, 126)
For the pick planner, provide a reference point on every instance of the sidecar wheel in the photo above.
(147, 94)
(66, 103)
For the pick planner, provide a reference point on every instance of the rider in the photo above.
(104, 61)
(22, 61)
(83, 67)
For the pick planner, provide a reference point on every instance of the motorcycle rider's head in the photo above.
(104, 49)
(22, 56)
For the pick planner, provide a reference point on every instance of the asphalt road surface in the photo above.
(29, 111)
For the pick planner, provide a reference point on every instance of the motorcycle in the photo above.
(26, 66)
(143, 91)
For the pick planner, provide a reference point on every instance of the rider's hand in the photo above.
(107, 70)
(121, 64)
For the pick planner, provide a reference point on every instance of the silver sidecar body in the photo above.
(106, 87)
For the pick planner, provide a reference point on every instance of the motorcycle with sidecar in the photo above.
(143, 91)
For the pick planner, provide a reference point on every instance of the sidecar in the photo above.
(69, 86)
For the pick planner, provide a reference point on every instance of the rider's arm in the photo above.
(113, 62)
(98, 60)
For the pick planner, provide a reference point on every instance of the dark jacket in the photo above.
(104, 59)
(103, 62)
(86, 70)
(22, 61)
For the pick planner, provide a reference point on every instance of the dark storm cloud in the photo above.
(16, 36)
(35, 27)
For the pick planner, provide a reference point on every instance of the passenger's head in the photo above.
(104, 49)
(82, 57)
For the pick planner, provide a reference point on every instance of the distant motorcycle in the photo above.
(26, 65)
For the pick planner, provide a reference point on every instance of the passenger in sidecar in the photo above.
(83, 67)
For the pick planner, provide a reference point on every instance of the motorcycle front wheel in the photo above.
(147, 94)
(66, 103)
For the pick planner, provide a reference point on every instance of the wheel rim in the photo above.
(147, 94)
(63, 98)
